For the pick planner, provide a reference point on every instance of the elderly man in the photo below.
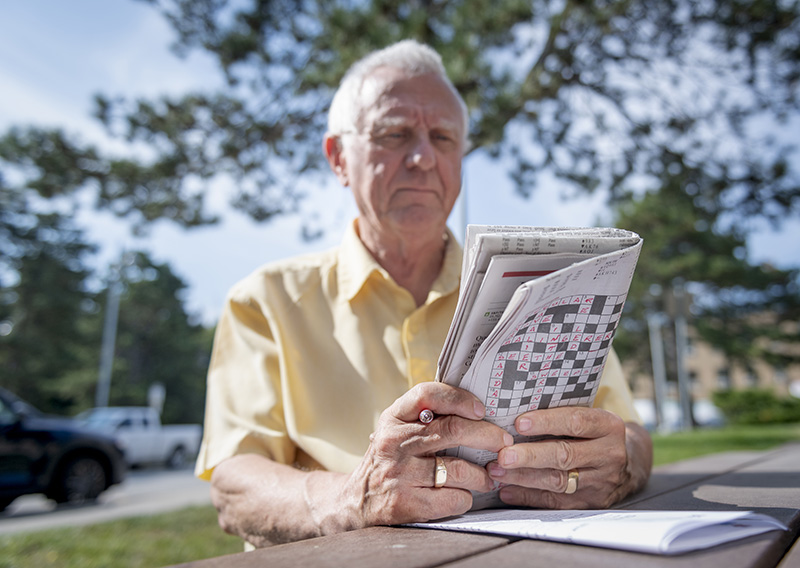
(323, 363)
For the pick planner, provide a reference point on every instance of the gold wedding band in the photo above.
(572, 482)
(440, 474)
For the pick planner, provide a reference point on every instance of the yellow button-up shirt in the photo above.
(309, 351)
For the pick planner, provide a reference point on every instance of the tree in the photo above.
(157, 342)
(748, 311)
(599, 92)
(45, 305)
(51, 321)
(676, 99)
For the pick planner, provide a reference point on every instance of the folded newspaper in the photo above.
(655, 532)
(536, 315)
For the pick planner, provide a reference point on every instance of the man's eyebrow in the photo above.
(390, 120)
(448, 124)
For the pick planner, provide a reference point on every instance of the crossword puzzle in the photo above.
(554, 358)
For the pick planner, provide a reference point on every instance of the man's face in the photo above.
(404, 163)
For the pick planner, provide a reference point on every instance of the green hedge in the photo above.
(757, 406)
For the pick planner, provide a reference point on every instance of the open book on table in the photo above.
(655, 532)
(536, 315)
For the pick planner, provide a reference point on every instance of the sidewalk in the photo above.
(144, 492)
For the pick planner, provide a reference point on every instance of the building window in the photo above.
(724, 379)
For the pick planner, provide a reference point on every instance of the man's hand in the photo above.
(266, 503)
(613, 459)
(395, 481)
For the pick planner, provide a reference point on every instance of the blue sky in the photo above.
(55, 54)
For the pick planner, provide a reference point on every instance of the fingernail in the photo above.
(524, 425)
(496, 471)
(507, 457)
(506, 494)
(479, 409)
(508, 439)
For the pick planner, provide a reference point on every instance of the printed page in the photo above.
(657, 532)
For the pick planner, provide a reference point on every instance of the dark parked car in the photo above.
(53, 455)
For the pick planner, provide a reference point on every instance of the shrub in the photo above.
(757, 406)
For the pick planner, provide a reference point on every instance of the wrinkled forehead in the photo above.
(392, 96)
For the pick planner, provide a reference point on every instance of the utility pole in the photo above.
(109, 341)
(681, 348)
(654, 322)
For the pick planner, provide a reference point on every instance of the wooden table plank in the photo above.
(670, 477)
(792, 558)
(377, 547)
(769, 485)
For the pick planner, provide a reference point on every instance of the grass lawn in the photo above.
(193, 534)
(153, 541)
(683, 445)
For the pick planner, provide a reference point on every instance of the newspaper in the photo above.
(654, 532)
(535, 318)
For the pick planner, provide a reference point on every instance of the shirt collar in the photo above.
(356, 265)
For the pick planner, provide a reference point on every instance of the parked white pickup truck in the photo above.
(144, 439)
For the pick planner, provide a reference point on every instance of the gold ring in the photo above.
(572, 482)
(440, 474)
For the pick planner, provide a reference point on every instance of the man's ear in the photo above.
(332, 146)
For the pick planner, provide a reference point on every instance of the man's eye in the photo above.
(444, 139)
(392, 138)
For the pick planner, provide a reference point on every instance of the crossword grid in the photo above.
(554, 358)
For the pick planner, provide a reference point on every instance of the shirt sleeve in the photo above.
(613, 394)
(244, 412)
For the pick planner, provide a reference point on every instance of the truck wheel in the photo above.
(80, 481)
(178, 458)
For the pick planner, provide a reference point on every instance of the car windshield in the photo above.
(14, 403)
(100, 418)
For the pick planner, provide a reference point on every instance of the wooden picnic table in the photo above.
(765, 482)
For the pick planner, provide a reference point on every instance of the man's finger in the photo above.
(442, 433)
(575, 422)
(460, 474)
(439, 398)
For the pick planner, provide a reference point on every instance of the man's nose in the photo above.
(421, 154)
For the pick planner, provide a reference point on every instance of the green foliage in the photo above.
(54, 165)
(45, 306)
(52, 321)
(747, 311)
(757, 406)
(598, 93)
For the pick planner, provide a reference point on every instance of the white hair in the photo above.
(408, 55)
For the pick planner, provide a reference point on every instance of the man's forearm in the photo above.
(267, 503)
